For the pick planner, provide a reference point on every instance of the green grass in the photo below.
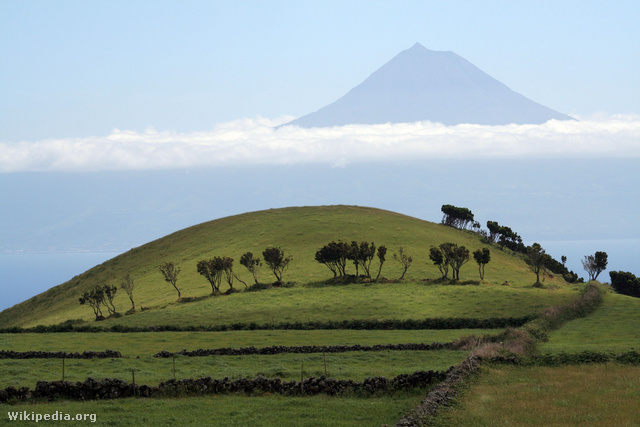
(594, 395)
(233, 411)
(358, 301)
(151, 371)
(613, 327)
(299, 232)
(147, 344)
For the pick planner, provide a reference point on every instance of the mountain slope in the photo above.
(424, 85)
(299, 231)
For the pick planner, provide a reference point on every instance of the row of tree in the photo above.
(539, 262)
(335, 256)
(448, 256)
(217, 269)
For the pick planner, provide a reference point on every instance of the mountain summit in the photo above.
(420, 84)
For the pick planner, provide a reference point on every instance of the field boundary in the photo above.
(112, 388)
(355, 324)
(305, 349)
(107, 354)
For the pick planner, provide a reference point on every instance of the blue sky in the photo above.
(83, 68)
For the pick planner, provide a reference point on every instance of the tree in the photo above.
(354, 255)
(381, 254)
(494, 231)
(404, 259)
(437, 256)
(126, 283)
(459, 256)
(276, 261)
(211, 269)
(252, 264)
(109, 295)
(334, 256)
(536, 259)
(170, 273)
(367, 252)
(564, 260)
(93, 299)
(456, 217)
(227, 270)
(482, 257)
(595, 264)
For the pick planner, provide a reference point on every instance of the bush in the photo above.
(625, 283)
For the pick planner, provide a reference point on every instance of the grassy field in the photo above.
(614, 327)
(151, 371)
(300, 232)
(233, 411)
(147, 344)
(380, 301)
(595, 395)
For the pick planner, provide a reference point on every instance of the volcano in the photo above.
(420, 84)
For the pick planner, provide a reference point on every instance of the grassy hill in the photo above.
(300, 232)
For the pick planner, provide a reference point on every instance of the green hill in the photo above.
(300, 232)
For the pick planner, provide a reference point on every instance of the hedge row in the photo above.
(631, 357)
(279, 349)
(107, 354)
(365, 324)
(442, 394)
(110, 388)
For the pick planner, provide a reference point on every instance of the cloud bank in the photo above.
(259, 141)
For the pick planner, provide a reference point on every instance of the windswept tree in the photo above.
(211, 269)
(459, 256)
(276, 261)
(536, 259)
(252, 264)
(109, 295)
(354, 256)
(437, 257)
(126, 283)
(494, 231)
(334, 256)
(505, 237)
(227, 271)
(381, 254)
(170, 274)
(367, 253)
(482, 258)
(595, 264)
(456, 217)
(94, 299)
(442, 257)
(404, 259)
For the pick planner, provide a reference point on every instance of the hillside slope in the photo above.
(299, 231)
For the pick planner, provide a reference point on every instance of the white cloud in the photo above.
(256, 141)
